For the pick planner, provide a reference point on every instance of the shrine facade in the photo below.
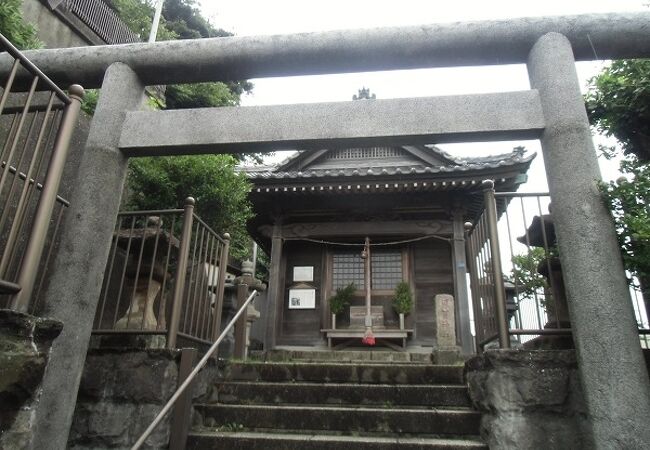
(315, 210)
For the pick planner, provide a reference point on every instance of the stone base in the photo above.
(131, 341)
(447, 356)
(529, 399)
(341, 356)
(550, 342)
(25, 343)
(120, 393)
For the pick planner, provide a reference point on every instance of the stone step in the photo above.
(346, 373)
(342, 393)
(266, 441)
(343, 356)
(343, 419)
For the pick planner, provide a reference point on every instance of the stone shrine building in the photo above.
(315, 209)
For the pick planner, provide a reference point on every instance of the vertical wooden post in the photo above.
(471, 267)
(275, 297)
(368, 282)
(460, 284)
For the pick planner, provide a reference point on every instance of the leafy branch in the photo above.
(524, 272)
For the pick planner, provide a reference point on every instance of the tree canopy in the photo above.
(164, 182)
(181, 19)
(12, 25)
(629, 199)
(618, 104)
(220, 191)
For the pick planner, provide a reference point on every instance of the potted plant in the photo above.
(340, 300)
(402, 301)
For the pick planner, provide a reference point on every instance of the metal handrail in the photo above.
(27, 64)
(190, 377)
(39, 186)
(150, 212)
(199, 220)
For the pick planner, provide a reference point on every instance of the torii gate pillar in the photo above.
(611, 364)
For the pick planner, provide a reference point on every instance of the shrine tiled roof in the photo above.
(448, 165)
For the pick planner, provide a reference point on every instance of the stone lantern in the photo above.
(541, 233)
(144, 274)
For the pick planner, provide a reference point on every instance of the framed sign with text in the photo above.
(302, 298)
(303, 273)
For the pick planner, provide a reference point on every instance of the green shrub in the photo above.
(403, 300)
(342, 298)
(14, 27)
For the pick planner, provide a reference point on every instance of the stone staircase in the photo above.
(376, 400)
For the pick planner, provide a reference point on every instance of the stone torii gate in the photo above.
(613, 373)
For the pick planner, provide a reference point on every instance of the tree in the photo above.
(164, 182)
(200, 95)
(186, 20)
(618, 105)
(138, 15)
(524, 273)
(181, 19)
(221, 193)
(12, 25)
(628, 198)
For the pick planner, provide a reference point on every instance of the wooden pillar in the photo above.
(463, 329)
(275, 297)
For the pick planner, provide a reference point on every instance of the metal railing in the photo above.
(103, 20)
(514, 241)
(488, 296)
(190, 378)
(165, 277)
(35, 133)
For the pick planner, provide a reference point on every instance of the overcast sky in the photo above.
(264, 17)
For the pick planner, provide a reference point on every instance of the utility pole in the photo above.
(156, 21)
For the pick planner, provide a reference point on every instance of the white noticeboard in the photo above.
(302, 298)
(303, 273)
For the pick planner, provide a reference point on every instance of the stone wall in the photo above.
(121, 391)
(25, 343)
(529, 399)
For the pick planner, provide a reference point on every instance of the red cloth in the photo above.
(368, 338)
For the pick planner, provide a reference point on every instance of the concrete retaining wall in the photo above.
(58, 29)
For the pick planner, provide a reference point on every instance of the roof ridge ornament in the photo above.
(364, 94)
(520, 151)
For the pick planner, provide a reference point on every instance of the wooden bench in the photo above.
(380, 333)
(357, 329)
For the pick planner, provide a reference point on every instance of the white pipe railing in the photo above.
(191, 376)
